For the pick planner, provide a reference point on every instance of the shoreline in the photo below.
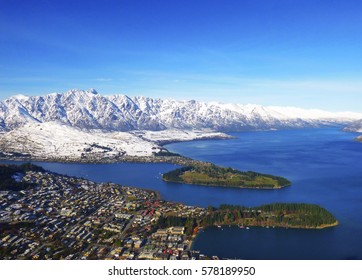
(98, 158)
(178, 160)
(233, 187)
(174, 159)
(163, 143)
(324, 226)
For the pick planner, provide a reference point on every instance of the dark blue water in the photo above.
(323, 164)
(325, 167)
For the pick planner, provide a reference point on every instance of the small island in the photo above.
(212, 175)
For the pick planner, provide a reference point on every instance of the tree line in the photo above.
(298, 215)
(7, 172)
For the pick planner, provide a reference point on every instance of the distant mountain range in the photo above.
(90, 110)
(354, 127)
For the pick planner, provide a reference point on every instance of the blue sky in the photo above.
(272, 52)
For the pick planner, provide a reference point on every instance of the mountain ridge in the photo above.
(91, 110)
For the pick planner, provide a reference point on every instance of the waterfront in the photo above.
(323, 164)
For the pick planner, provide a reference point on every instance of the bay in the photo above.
(323, 164)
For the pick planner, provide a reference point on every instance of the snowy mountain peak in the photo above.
(20, 97)
(92, 90)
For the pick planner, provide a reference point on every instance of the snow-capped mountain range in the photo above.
(90, 110)
(86, 126)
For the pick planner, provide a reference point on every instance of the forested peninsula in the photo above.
(285, 215)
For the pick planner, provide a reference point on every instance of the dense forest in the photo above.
(173, 221)
(287, 215)
(213, 175)
(9, 172)
(299, 215)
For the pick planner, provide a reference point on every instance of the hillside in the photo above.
(59, 142)
(354, 127)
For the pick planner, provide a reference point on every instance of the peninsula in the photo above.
(212, 175)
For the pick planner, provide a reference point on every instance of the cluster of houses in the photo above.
(64, 217)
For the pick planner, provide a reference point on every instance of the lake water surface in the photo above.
(324, 166)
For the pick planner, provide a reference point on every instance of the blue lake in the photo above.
(324, 165)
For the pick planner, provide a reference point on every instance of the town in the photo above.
(44, 215)
(63, 217)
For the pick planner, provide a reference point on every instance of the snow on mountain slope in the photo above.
(176, 135)
(314, 114)
(57, 141)
(354, 127)
(90, 110)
